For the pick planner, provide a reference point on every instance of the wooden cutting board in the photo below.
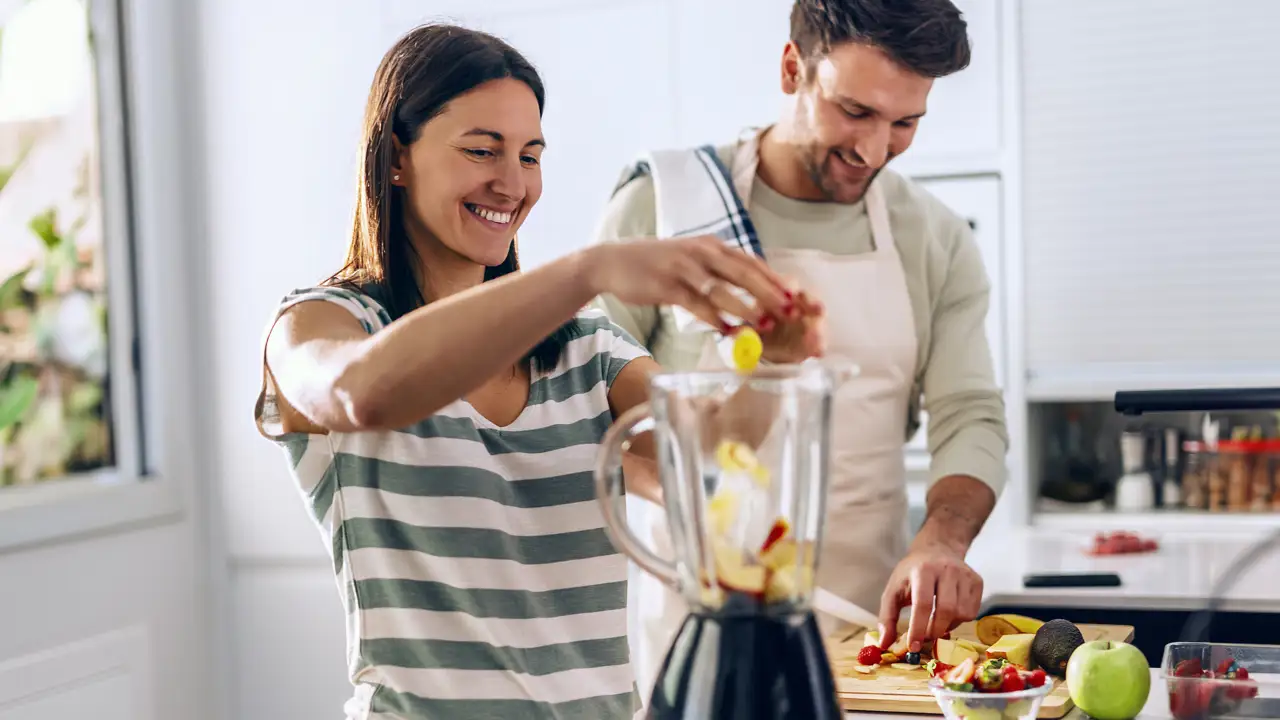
(907, 691)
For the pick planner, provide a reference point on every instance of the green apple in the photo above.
(1108, 680)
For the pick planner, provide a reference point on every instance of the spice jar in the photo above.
(1199, 461)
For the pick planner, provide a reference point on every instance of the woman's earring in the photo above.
(395, 178)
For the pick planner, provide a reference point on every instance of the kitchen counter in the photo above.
(1157, 707)
(1178, 576)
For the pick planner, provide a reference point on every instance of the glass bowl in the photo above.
(1020, 705)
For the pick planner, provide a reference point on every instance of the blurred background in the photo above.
(169, 170)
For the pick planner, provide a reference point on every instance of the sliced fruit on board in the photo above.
(952, 652)
(1014, 648)
(993, 627)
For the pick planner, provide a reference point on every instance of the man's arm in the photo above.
(967, 441)
(630, 213)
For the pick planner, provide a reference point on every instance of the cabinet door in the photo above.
(978, 201)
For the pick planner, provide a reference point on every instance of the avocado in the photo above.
(1053, 644)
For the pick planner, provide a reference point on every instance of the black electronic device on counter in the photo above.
(1071, 580)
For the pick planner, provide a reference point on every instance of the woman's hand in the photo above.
(700, 274)
(798, 336)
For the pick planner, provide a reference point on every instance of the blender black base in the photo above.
(746, 667)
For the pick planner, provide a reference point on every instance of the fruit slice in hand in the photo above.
(747, 349)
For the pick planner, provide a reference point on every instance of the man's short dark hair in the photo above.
(928, 37)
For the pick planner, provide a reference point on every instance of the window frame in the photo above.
(150, 281)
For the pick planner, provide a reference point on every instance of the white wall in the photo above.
(281, 88)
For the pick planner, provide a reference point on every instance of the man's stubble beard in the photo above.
(813, 159)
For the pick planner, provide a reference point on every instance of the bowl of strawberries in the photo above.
(1213, 680)
(993, 689)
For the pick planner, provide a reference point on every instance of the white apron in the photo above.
(870, 324)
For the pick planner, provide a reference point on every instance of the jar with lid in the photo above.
(1198, 468)
(1244, 477)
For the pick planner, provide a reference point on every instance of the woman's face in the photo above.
(474, 173)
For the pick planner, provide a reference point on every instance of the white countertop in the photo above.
(1157, 707)
(1178, 576)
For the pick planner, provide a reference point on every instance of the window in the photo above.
(69, 400)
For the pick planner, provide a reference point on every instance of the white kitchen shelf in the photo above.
(1100, 383)
(1180, 522)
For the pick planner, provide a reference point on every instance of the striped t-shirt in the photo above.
(472, 559)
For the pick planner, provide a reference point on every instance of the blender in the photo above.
(742, 461)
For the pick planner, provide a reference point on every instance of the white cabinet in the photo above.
(977, 199)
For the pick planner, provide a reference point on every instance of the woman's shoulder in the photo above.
(361, 301)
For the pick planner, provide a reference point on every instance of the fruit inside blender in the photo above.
(755, 559)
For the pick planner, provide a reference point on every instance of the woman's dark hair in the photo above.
(928, 37)
(427, 68)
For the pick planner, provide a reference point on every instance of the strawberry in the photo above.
(1012, 682)
(1242, 674)
(1036, 678)
(962, 673)
(869, 655)
(1189, 668)
(1224, 667)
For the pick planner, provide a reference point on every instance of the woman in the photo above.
(441, 410)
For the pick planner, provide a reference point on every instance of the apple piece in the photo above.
(1014, 648)
(787, 582)
(951, 652)
(734, 574)
(899, 646)
(776, 533)
(1108, 680)
(975, 646)
(871, 638)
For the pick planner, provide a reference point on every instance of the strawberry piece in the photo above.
(940, 669)
(1012, 682)
(1224, 667)
(1242, 674)
(1189, 668)
(1036, 678)
(869, 655)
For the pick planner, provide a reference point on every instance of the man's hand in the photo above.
(933, 578)
(941, 590)
(796, 336)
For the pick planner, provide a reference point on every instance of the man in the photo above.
(900, 277)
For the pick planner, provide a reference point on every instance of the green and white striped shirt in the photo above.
(471, 558)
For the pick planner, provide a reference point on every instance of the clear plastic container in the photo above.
(1217, 680)
(1020, 705)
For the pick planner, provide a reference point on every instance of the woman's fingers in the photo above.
(751, 274)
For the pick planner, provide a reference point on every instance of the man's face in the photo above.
(855, 110)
